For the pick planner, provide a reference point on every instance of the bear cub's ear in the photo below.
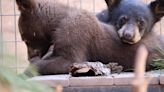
(25, 5)
(157, 8)
(112, 3)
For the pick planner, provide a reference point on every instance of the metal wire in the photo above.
(15, 30)
(1, 36)
(80, 4)
(94, 6)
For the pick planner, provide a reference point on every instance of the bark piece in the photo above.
(89, 69)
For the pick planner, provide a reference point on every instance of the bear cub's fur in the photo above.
(75, 36)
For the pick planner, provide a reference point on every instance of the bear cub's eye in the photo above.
(140, 22)
(122, 20)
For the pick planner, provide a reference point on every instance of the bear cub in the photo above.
(132, 18)
(77, 36)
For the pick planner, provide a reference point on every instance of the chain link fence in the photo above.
(13, 52)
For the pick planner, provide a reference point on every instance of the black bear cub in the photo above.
(132, 18)
(77, 36)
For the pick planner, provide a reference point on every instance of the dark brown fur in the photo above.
(76, 36)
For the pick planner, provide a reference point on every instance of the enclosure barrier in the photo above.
(13, 54)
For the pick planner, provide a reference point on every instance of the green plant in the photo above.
(158, 64)
(19, 83)
(12, 82)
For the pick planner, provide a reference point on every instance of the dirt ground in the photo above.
(14, 50)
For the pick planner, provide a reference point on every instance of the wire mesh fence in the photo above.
(13, 52)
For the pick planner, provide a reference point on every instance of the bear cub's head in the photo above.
(131, 18)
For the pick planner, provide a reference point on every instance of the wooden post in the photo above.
(5, 89)
(140, 83)
(59, 88)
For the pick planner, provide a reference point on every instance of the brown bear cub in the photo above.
(74, 36)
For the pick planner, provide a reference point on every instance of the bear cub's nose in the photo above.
(128, 36)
